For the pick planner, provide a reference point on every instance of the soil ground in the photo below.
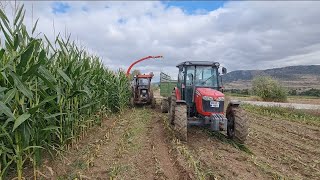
(140, 144)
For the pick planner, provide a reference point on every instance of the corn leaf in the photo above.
(20, 120)
(35, 26)
(47, 74)
(21, 86)
(65, 76)
(9, 95)
(18, 16)
(6, 110)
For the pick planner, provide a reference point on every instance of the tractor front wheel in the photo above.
(178, 117)
(237, 123)
(181, 121)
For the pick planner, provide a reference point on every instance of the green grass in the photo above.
(311, 117)
(303, 97)
(236, 95)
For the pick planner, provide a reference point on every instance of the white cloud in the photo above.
(241, 35)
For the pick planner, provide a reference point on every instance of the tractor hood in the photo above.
(209, 92)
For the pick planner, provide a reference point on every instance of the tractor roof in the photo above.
(199, 63)
(144, 76)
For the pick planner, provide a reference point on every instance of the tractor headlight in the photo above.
(220, 99)
(207, 98)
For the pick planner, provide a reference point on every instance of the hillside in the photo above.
(298, 77)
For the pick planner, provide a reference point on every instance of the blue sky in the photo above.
(60, 7)
(190, 7)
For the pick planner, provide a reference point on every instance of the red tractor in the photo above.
(141, 85)
(141, 90)
(197, 99)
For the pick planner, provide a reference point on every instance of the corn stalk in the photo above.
(49, 93)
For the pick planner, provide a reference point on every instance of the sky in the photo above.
(238, 34)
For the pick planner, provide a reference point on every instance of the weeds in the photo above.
(305, 116)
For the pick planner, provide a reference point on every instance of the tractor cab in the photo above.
(200, 86)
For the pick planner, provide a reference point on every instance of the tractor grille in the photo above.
(206, 106)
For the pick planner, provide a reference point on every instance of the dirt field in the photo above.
(140, 145)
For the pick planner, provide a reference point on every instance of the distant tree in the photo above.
(269, 89)
(311, 92)
(133, 73)
(136, 72)
(293, 92)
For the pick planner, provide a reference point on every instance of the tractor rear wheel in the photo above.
(153, 103)
(181, 121)
(237, 123)
(172, 107)
(132, 102)
(164, 105)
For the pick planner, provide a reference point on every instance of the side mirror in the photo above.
(224, 70)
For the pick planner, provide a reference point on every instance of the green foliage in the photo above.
(238, 91)
(311, 92)
(48, 94)
(268, 89)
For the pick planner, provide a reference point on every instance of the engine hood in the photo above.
(209, 92)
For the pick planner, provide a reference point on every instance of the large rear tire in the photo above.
(153, 103)
(132, 102)
(164, 105)
(181, 121)
(172, 107)
(238, 126)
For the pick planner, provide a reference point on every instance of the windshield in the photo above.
(143, 82)
(206, 76)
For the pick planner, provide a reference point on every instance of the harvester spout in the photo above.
(145, 58)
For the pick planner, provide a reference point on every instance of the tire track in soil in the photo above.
(275, 155)
(131, 146)
(166, 167)
(222, 159)
(274, 144)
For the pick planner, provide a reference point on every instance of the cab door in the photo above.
(181, 82)
(189, 84)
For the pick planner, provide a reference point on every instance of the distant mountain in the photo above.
(291, 76)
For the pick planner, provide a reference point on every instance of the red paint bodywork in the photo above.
(144, 76)
(145, 58)
(178, 94)
(200, 92)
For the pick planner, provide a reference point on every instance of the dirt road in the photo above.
(140, 144)
(287, 105)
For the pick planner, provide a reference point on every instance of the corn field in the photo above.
(50, 92)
